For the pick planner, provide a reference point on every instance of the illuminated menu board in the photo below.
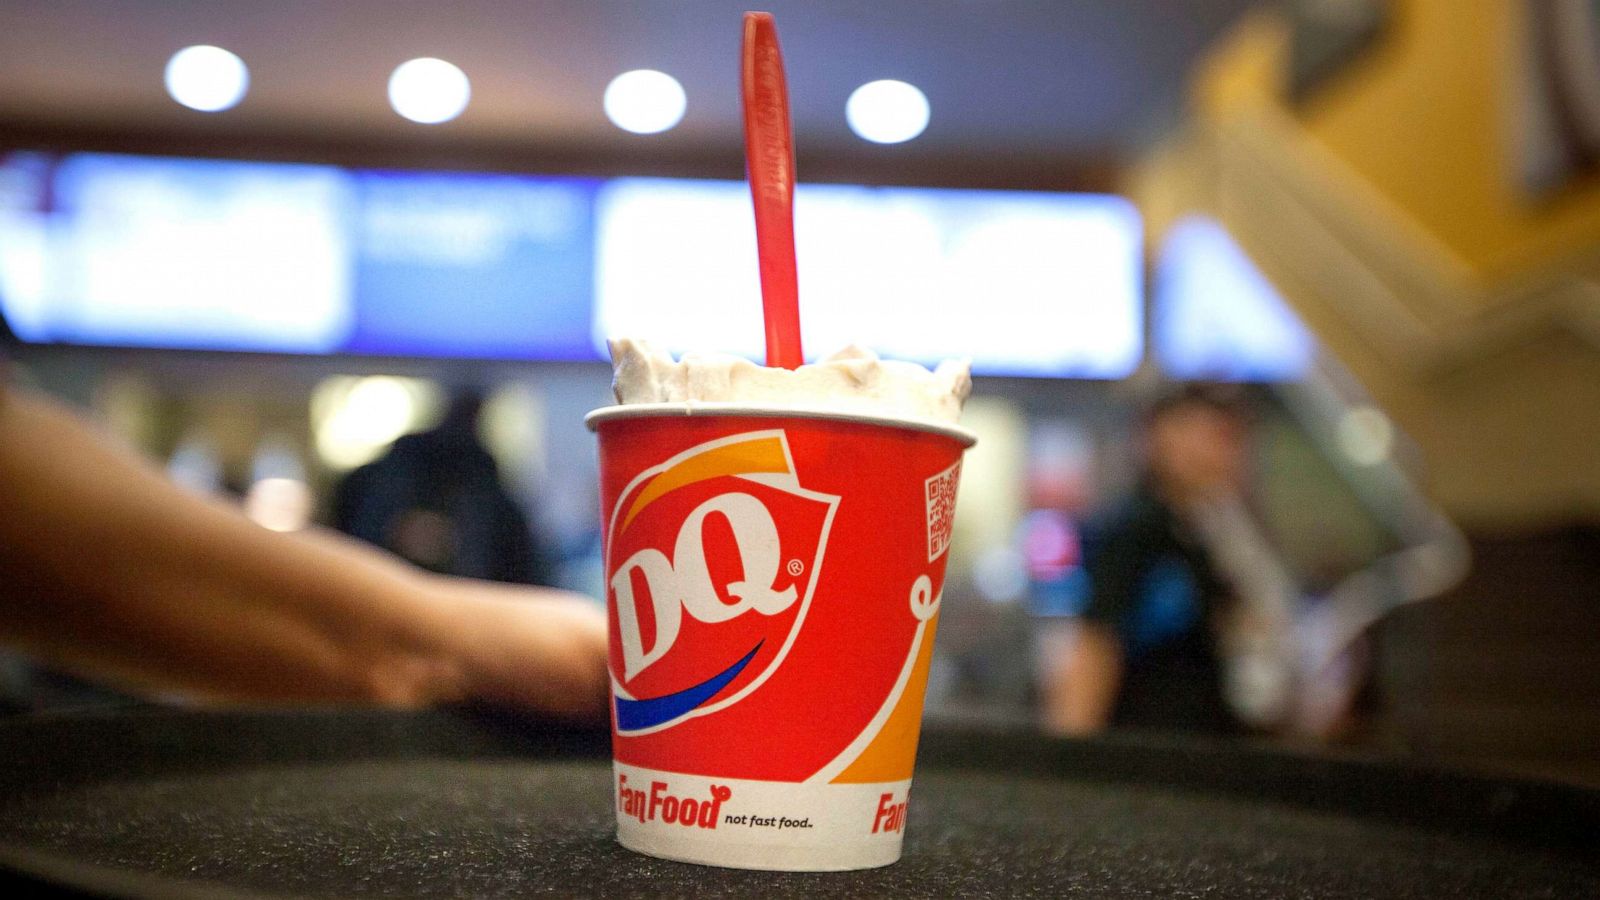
(1217, 317)
(290, 258)
(1022, 283)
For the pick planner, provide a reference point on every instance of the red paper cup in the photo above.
(773, 583)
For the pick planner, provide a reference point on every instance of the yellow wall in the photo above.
(1389, 211)
(1426, 117)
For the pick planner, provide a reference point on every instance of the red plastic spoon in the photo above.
(769, 159)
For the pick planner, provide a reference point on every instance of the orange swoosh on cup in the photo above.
(757, 455)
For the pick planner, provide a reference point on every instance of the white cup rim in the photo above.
(698, 408)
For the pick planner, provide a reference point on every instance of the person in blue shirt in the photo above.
(1144, 651)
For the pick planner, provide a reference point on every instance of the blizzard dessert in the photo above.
(852, 380)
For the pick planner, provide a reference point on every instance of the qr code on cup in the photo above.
(941, 493)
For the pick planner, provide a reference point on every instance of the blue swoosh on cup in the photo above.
(633, 715)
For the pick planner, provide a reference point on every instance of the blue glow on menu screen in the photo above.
(141, 251)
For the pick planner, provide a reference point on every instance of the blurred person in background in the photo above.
(111, 571)
(1146, 650)
(435, 498)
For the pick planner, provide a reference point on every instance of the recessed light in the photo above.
(887, 111)
(207, 78)
(429, 90)
(645, 101)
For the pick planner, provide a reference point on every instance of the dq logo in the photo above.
(712, 559)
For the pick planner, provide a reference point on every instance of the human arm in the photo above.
(1081, 692)
(1085, 677)
(109, 570)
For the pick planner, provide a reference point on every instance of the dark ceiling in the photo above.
(1026, 87)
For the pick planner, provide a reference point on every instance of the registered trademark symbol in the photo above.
(795, 567)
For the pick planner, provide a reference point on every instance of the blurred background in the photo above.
(355, 263)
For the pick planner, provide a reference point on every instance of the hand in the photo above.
(110, 571)
(535, 648)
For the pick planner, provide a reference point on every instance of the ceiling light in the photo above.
(645, 101)
(429, 90)
(207, 78)
(887, 111)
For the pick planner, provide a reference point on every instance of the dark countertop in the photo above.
(162, 803)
